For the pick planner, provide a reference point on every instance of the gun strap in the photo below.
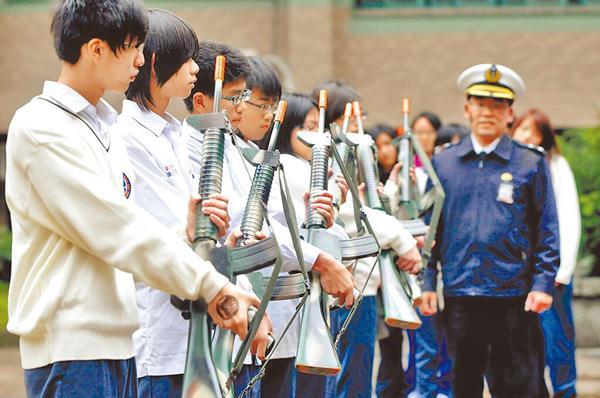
(360, 215)
(290, 217)
(353, 189)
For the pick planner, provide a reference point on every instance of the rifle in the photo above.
(316, 351)
(409, 210)
(397, 304)
(204, 370)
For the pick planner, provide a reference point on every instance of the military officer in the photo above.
(497, 243)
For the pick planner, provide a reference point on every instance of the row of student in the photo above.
(78, 249)
(428, 370)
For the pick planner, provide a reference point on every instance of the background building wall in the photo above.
(385, 54)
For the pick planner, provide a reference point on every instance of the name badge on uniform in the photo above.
(506, 189)
(170, 170)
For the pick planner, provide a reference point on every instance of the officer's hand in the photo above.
(428, 305)
(336, 280)
(538, 301)
(323, 204)
(229, 309)
(410, 261)
(215, 208)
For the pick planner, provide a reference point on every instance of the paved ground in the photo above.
(588, 363)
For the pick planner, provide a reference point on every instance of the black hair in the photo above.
(298, 106)
(381, 128)
(432, 118)
(75, 22)
(236, 68)
(339, 94)
(173, 43)
(264, 78)
(446, 133)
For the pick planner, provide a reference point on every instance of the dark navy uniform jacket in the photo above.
(498, 233)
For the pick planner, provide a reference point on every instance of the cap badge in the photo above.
(492, 75)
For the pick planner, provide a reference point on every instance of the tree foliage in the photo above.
(581, 148)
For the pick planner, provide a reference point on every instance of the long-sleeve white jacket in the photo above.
(569, 216)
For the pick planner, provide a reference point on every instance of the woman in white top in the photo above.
(534, 128)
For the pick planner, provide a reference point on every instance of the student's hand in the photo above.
(420, 241)
(429, 303)
(229, 310)
(395, 174)
(343, 185)
(215, 208)
(336, 280)
(410, 261)
(538, 301)
(323, 204)
(261, 339)
(361, 192)
(232, 238)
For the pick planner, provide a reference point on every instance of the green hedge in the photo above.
(581, 147)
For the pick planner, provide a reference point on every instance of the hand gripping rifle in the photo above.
(410, 210)
(397, 304)
(202, 371)
(316, 352)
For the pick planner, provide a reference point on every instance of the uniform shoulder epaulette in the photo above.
(441, 148)
(533, 148)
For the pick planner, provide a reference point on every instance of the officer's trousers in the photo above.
(498, 330)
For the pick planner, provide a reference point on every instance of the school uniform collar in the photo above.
(501, 147)
(75, 102)
(154, 123)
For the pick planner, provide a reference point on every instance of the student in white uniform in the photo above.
(237, 172)
(163, 186)
(78, 239)
(358, 342)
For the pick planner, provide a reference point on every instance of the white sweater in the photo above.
(77, 241)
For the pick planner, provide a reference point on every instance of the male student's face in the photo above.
(234, 112)
(255, 121)
(120, 69)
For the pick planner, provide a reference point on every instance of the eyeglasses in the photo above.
(266, 108)
(238, 99)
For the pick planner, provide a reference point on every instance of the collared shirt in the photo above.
(100, 117)
(478, 148)
(498, 233)
(163, 185)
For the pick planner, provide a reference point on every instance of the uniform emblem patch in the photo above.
(126, 186)
(170, 170)
(506, 189)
